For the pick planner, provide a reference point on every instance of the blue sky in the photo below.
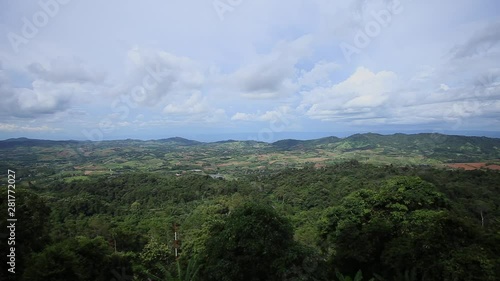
(74, 69)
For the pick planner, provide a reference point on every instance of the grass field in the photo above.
(76, 161)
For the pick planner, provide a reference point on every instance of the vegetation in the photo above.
(42, 161)
(343, 221)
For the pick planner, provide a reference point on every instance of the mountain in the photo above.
(8, 143)
(288, 144)
(179, 141)
(443, 147)
(439, 147)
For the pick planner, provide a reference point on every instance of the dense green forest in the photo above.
(330, 223)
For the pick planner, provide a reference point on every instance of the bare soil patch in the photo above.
(473, 166)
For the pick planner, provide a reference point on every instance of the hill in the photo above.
(326, 203)
(78, 159)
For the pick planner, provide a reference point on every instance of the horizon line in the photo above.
(346, 135)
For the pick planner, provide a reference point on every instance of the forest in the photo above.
(344, 221)
(242, 140)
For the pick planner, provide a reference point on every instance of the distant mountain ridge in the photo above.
(179, 140)
(82, 158)
(446, 148)
(34, 142)
(373, 138)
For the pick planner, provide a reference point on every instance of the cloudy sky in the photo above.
(248, 69)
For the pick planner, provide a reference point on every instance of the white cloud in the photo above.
(444, 87)
(243, 117)
(359, 93)
(42, 99)
(18, 128)
(61, 70)
(272, 75)
(195, 104)
(277, 114)
(320, 74)
(162, 75)
(196, 108)
(434, 66)
(53, 89)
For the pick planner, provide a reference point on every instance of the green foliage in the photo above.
(189, 274)
(406, 224)
(31, 228)
(154, 255)
(401, 222)
(79, 258)
(250, 245)
(357, 277)
(303, 263)
(407, 275)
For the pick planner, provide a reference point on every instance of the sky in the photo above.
(241, 69)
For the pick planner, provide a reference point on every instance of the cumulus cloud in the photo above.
(20, 128)
(279, 113)
(195, 104)
(320, 74)
(51, 89)
(44, 98)
(271, 75)
(194, 108)
(162, 75)
(426, 66)
(239, 116)
(442, 107)
(66, 70)
(357, 95)
(367, 98)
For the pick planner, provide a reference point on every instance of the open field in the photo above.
(70, 160)
(473, 166)
(127, 193)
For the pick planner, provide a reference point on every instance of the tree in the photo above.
(188, 273)
(79, 258)
(405, 225)
(31, 229)
(250, 245)
(154, 257)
